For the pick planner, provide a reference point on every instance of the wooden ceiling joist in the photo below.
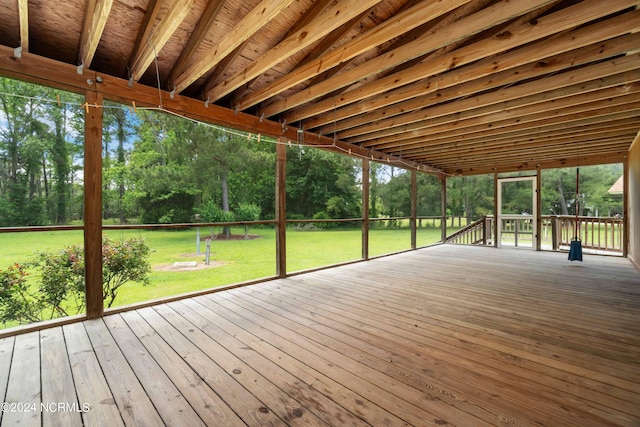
(23, 13)
(600, 41)
(391, 28)
(158, 35)
(586, 128)
(330, 18)
(547, 26)
(95, 19)
(532, 115)
(428, 42)
(259, 16)
(553, 87)
(205, 22)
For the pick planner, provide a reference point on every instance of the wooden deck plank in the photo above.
(23, 390)
(400, 344)
(275, 398)
(91, 385)
(168, 324)
(135, 406)
(326, 399)
(61, 406)
(207, 404)
(465, 335)
(166, 398)
(448, 335)
(6, 354)
(375, 386)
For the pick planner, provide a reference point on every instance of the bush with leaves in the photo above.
(60, 290)
(17, 302)
(248, 212)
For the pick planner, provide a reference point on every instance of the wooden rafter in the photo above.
(538, 59)
(524, 119)
(156, 36)
(428, 42)
(597, 111)
(560, 85)
(23, 11)
(95, 19)
(391, 28)
(243, 30)
(560, 21)
(330, 18)
(205, 22)
(308, 16)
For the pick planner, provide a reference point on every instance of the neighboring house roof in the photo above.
(618, 187)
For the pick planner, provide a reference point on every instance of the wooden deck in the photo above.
(448, 335)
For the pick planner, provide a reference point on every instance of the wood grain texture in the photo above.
(447, 335)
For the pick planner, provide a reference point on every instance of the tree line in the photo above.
(160, 168)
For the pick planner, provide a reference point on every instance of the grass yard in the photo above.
(232, 261)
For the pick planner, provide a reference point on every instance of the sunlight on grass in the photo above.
(232, 261)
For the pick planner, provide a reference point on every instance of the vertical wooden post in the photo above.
(625, 207)
(93, 204)
(414, 208)
(443, 222)
(538, 195)
(281, 209)
(365, 207)
(495, 210)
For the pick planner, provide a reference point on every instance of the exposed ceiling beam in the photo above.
(259, 16)
(529, 130)
(332, 17)
(544, 57)
(391, 28)
(428, 42)
(549, 25)
(23, 11)
(156, 36)
(205, 22)
(34, 68)
(597, 106)
(306, 18)
(95, 19)
(541, 90)
(576, 135)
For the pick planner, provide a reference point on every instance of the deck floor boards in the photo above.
(447, 335)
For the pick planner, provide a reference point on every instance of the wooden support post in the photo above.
(495, 210)
(537, 238)
(365, 207)
(414, 208)
(93, 204)
(443, 223)
(555, 237)
(281, 209)
(625, 207)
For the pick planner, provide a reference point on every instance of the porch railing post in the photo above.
(365, 207)
(93, 204)
(281, 209)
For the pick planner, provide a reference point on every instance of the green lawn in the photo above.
(232, 261)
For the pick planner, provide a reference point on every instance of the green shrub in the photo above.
(60, 290)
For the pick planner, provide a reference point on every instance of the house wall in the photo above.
(633, 199)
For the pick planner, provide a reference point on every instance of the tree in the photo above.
(247, 212)
(314, 177)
